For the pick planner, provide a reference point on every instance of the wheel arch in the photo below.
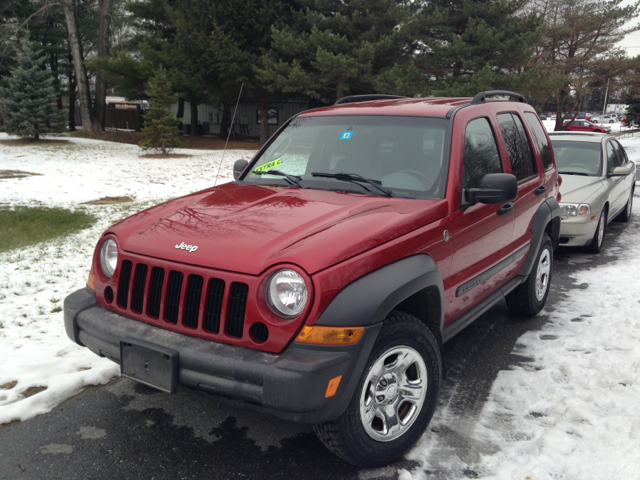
(412, 285)
(546, 220)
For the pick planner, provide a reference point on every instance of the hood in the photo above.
(578, 188)
(248, 228)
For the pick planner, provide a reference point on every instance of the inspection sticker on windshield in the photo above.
(346, 135)
(268, 166)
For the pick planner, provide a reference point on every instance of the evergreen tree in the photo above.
(633, 111)
(160, 125)
(333, 48)
(464, 47)
(29, 100)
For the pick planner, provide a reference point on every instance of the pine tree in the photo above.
(29, 101)
(161, 126)
(334, 48)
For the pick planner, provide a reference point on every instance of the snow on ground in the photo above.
(572, 412)
(34, 349)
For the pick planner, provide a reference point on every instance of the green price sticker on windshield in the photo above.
(268, 166)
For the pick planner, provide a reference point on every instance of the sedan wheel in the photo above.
(598, 237)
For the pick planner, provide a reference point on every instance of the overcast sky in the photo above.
(632, 41)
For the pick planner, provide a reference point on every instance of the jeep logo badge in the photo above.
(189, 248)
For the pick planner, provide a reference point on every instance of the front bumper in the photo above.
(291, 384)
(577, 231)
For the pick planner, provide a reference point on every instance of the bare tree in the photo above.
(578, 50)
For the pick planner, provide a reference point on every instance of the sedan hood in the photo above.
(247, 228)
(578, 188)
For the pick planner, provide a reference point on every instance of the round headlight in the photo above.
(109, 257)
(287, 293)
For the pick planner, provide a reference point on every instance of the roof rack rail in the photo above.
(482, 96)
(366, 98)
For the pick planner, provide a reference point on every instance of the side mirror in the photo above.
(494, 188)
(239, 167)
(624, 170)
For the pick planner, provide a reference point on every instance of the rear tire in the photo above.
(395, 397)
(527, 299)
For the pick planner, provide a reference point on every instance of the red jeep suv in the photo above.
(321, 285)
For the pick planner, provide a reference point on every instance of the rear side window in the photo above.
(517, 145)
(541, 139)
(480, 153)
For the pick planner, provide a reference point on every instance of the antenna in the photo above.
(228, 134)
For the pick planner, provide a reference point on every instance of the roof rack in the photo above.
(482, 96)
(366, 98)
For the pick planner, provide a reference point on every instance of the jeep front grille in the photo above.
(163, 295)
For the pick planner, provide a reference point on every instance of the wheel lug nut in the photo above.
(380, 398)
(383, 382)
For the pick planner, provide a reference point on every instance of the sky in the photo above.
(632, 41)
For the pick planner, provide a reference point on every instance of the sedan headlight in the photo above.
(109, 257)
(574, 209)
(287, 293)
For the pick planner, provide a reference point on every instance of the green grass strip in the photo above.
(24, 226)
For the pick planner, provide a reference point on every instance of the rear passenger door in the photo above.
(531, 189)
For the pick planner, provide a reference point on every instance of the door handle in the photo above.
(506, 208)
(541, 189)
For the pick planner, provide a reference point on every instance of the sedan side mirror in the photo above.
(239, 167)
(624, 170)
(494, 188)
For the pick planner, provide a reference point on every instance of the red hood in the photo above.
(247, 229)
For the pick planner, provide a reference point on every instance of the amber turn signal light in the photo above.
(332, 388)
(319, 335)
(91, 282)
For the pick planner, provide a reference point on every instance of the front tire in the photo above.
(527, 299)
(395, 398)
(625, 216)
(598, 237)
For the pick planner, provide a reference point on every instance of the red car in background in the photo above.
(585, 126)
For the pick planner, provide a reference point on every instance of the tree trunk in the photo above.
(72, 98)
(226, 120)
(180, 114)
(194, 118)
(562, 97)
(264, 121)
(75, 46)
(104, 46)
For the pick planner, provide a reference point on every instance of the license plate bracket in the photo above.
(149, 364)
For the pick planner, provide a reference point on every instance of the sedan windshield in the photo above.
(578, 158)
(374, 155)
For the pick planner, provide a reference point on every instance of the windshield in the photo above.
(578, 158)
(407, 156)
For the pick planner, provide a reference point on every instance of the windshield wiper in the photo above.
(355, 178)
(292, 179)
(575, 173)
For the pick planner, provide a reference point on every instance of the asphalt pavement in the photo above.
(125, 430)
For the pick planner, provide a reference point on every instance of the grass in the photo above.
(24, 226)
(24, 142)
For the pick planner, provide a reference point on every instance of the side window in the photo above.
(541, 139)
(611, 158)
(517, 145)
(622, 155)
(480, 153)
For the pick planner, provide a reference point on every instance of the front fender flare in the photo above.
(370, 298)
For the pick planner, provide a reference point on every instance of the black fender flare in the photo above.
(548, 212)
(369, 299)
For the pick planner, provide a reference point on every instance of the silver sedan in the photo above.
(597, 186)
